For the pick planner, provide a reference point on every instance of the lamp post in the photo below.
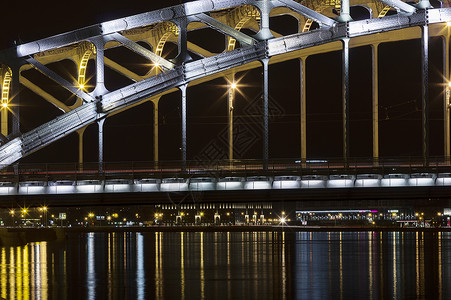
(447, 133)
(12, 213)
(232, 89)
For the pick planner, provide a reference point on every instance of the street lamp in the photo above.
(12, 213)
(233, 87)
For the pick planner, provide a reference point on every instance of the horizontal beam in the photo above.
(308, 13)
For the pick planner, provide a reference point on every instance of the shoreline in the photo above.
(240, 228)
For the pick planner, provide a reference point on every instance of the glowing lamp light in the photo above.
(233, 85)
(5, 105)
(156, 65)
(81, 86)
(448, 23)
(282, 220)
(449, 84)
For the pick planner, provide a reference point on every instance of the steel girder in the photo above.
(181, 75)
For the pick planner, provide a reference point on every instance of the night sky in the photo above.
(129, 135)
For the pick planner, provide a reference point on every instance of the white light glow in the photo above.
(89, 188)
(339, 183)
(367, 182)
(393, 182)
(117, 188)
(313, 184)
(230, 185)
(257, 185)
(177, 186)
(233, 85)
(421, 181)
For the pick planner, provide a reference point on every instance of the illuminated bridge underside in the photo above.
(101, 103)
(403, 187)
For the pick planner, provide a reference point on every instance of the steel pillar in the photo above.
(345, 15)
(345, 91)
(80, 133)
(446, 95)
(265, 63)
(100, 88)
(231, 99)
(183, 90)
(155, 130)
(425, 92)
(375, 100)
(100, 123)
(303, 110)
(265, 8)
(14, 94)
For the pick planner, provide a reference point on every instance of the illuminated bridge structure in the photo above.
(390, 20)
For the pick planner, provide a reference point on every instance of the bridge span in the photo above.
(225, 182)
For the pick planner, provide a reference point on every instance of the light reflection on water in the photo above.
(231, 265)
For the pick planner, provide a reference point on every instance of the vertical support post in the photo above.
(425, 92)
(265, 62)
(446, 96)
(345, 15)
(375, 102)
(303, 110)
(14, 92)
(183, 90)
(231, 98)
(265, 8)
(155, 130)
(182, 55)
(80, 146)
(100, 123)
(100, 88)
(345, 90)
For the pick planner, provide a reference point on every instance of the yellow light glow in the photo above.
(24, 210)
(91, 215)
(449, 84)
(233, 85)
(5, 105)
(156, 65)
(439, 214)
(282, 220)
(448, 23)
(81, 86)
(12, 212)
(202, 214)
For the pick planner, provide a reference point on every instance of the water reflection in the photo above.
(229, 265)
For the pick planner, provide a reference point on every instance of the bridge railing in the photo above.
(223, 168)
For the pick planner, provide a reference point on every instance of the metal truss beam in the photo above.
(308, 13)
(58, 79)
(181, 75)
(40, 92)
(399, 5)
(135, 47)
(227, 30)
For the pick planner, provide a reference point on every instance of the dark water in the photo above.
(310, 265)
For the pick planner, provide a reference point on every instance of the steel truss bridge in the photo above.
(156, 28)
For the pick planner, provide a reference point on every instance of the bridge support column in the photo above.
(375, 102)
(14, 93)
(425, 92)
(183, 90)
(100, 123)
(345, 15)
(265, 63)
(231, 99)
(446, 96)
(345, 90)
(155, 130)
(303, 111)
(80, 133)
(100, 88)
(265, 8)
